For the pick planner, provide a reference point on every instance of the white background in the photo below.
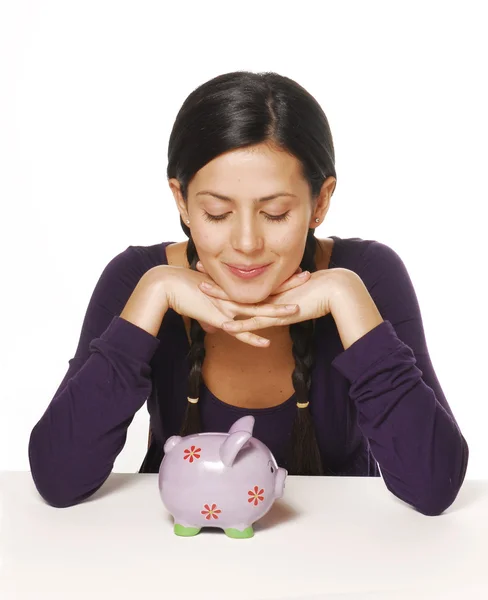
(89, 92)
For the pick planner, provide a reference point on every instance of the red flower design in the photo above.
(192, 454)
(211, 512)
(256, 496)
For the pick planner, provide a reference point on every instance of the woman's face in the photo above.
(248, 230)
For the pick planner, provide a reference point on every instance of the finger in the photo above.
(264, 310)
(207, 327)
(213, 290)
(293, 282)
(200, 267)
(252, 324)
(252, 339)
(245, 336)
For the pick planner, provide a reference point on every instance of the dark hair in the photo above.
(232, 111)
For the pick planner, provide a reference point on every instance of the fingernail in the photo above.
(206, 285)
(263, 342)
(290, 306)
(303, 274)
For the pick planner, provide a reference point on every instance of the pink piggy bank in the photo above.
(226, 480)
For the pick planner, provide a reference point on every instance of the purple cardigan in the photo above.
(377, 403)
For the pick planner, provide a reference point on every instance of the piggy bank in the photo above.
(225, 480)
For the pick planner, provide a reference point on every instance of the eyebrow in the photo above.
(255, 201)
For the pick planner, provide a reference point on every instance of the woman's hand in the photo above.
(312, 293)
(185, 296)
(298, 278)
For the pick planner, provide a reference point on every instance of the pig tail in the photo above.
(303, 453)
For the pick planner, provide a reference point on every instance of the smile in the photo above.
(247, 274)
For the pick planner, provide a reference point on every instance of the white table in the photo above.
(327, 538)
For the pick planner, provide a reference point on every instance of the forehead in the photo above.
(255, 171)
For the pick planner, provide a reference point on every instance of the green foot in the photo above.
(186, 531)
(236, 533)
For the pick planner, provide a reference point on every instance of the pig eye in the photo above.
(272, 469)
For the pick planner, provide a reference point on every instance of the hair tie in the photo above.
(302, 404)
(192, 400)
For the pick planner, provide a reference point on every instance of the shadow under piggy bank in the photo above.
(280, 512)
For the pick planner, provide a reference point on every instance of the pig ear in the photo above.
(243, 424)
(171, 442)
(232, 446)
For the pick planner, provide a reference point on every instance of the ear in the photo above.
(243, 424)
(232, 446)
(174, 184)
(323, 202)
(171, 442)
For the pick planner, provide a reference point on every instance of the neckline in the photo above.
(212, 396)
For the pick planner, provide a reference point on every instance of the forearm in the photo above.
(416, 442)
(73, 446)
(418, 445)
(75, 443)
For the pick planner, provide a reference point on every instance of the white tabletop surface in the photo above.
(341, 538)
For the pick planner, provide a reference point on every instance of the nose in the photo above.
(246, 235)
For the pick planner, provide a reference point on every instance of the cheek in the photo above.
(210, 249)
(208, 243)
(291, 247)
(291, 236)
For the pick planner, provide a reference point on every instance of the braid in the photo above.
(191, 422)
(304, 454)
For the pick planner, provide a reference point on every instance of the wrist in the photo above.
(353, 309)
(147, 304)
(342, 284)
(165, 278)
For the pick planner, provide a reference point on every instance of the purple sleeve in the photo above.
(73, 447)
(402, 409)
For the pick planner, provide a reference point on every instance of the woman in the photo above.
(340, 382)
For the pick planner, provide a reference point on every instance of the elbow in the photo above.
(60, 501)
(55, 479)
(446, 493)
(56, 495)
(43, 473)
(57, 501)
(438, 503)
(434, 507)
(434, 494)
(50, 489)
(428, 504)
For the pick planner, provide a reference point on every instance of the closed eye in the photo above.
(215, 218)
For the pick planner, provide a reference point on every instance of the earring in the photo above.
(188, 222)
(317, 220)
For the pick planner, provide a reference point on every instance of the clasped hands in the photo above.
(302, 297)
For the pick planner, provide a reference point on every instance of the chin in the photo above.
(247, 295)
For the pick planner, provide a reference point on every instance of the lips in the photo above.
(247, 267)
(247, 272)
